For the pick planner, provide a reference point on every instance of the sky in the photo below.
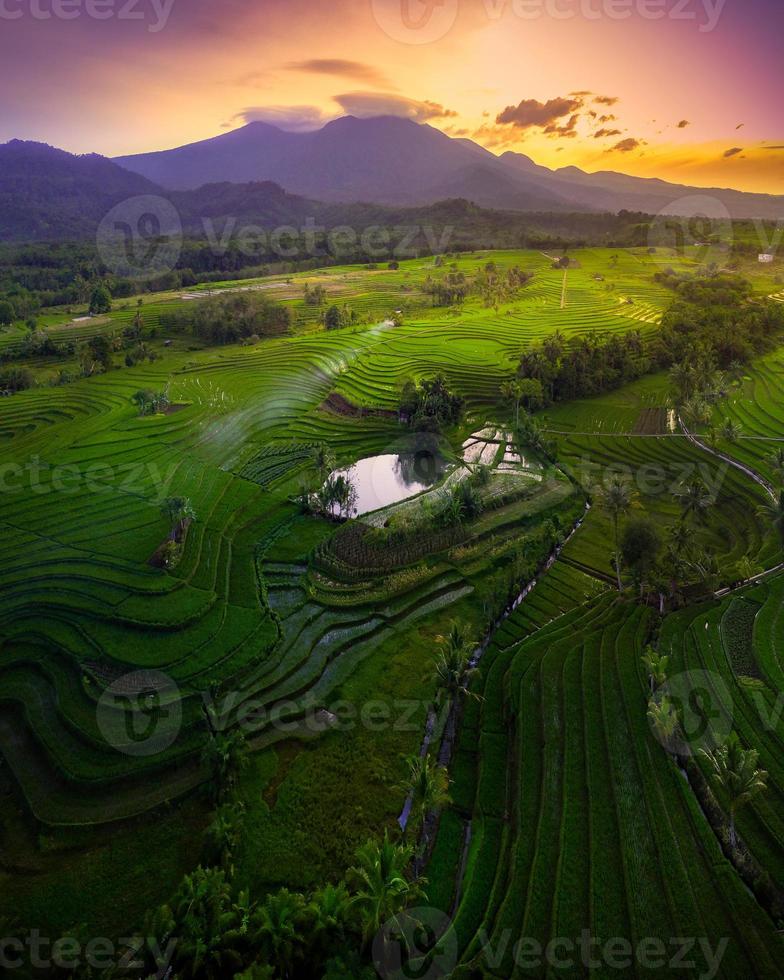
(686, 90)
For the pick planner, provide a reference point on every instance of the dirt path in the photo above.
(760, 481)
(563, 292)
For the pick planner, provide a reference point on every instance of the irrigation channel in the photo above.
(449, 725)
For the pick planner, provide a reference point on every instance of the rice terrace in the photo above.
(391, 492)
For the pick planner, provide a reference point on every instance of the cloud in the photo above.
(341, 66)
(607, 119)
(683, 124)
(605, 133)
(489, 135)
(772, 147)
(740, 125)
(532, 113)
(368, 104)
(733, 152)
(293, 118)
(626, 146)
(606, 100)
(567, 130)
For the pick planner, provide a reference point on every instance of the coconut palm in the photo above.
(747, 568)
(657, 664)
(323, 460)
(513, 391)
(278, 927)
(680, 536)
(663, 719)
(695, 499)
(210, 927)
(773, 511)
(731, 430)
(428, 784)
(453, 671)
(696, 410)
(223, 836)
(225, 756)
(382, 889)
(616, 500)
(178, 510)
(327, 913)
(735, 772)
(776, 461)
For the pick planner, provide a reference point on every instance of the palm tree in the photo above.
(696, 410)
(429, 785)
(657, 664)
(453, 671)
(663, 719)
(209, 926)
(681, 536)
(776, 460)
(323, 460)
(382, 890)
(178, 510)
(747, 568)
(223, 836)
(731, 430)
(225, 755)
(695, 499)
(327, 914)
(616, 500)
(279, 930)
(734, 770)
(773, 510)
(513, 390)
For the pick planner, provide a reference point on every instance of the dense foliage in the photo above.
(227, 319)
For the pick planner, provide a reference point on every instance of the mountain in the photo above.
(610, 190)
(386, 160)
(47, 193)
(396, 161)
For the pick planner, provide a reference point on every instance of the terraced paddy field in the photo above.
(734, 648)
(274, 616)
(579, 820)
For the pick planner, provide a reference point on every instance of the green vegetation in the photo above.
(176, 501)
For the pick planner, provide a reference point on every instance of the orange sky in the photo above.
(188, 69)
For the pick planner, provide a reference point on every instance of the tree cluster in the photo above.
(230, 318)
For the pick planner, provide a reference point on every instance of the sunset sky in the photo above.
(693, 96)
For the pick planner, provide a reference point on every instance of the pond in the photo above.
(382, 480)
